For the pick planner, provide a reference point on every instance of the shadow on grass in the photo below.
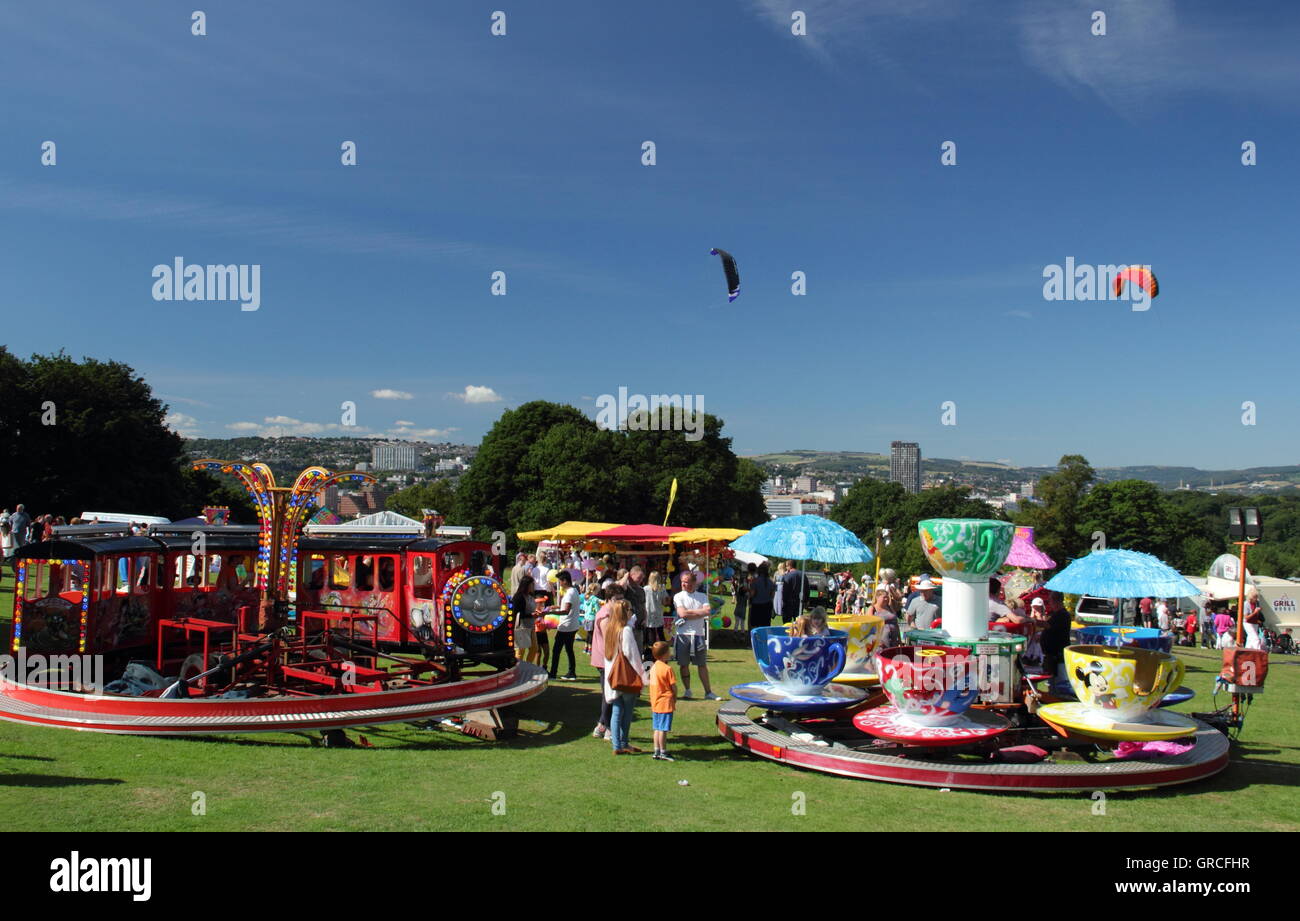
(51, 780)
(26, 757)
(566, 711)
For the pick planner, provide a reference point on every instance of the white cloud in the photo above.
(404, 423)
(1021, 314)
(476, 394)
(387, 394)
(277, 426)
(182, 424)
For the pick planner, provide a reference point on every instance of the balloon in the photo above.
(1138, 275)
(733, 276)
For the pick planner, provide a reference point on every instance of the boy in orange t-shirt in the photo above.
(663, 698)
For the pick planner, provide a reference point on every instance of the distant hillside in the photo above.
(994, 475)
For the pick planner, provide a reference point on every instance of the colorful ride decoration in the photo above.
(1142, 637)
(865, 633)
(477, 603)
(928, 685)
(967, 552)
(1025, 554)
(281, 513)
(42, 625)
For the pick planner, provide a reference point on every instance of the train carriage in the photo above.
(92, 589)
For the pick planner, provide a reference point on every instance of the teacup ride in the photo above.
(930, 690)
(799, 670)
(893, 737)
(1118, 690)
(865, 633)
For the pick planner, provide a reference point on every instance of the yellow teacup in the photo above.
(865, 633)
(1123, 682)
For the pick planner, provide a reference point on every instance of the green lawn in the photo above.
(557, 777)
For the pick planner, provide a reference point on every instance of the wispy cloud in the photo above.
(278, 426)
(835, 24)
(1020, 314)
(387, 394)
(285, 226)
(1148, 54)
(411, 433)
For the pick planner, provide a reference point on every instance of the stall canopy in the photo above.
(567, 530)
(639, 532)
(706, 535)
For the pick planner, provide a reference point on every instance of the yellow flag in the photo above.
(672, 497)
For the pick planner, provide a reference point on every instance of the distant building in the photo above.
(392, 456)
(804, 484)
(449, 465)
(366, 501)
(905, 464)
(781, 508)
(768, 488)
(1027, 489)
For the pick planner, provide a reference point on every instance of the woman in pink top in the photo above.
(598, 657)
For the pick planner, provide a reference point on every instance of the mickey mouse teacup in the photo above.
(1123, 682)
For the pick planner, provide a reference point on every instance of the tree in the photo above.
(87, 435)
(871, 503)
(1133, 515)
(1056, 521)
(543, 463)
(413, 500)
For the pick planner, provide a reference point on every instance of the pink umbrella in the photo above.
(1025, 554)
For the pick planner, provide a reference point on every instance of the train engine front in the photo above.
(478, 623)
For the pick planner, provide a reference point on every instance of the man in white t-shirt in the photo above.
(569, 610)
(691, 635)
(1162, 616)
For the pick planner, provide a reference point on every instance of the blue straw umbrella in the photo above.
(1121, 574)
(803, 538)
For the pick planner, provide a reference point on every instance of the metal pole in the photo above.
(1241, 593)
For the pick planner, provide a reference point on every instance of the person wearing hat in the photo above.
(922, 609)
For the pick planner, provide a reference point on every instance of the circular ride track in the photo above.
(850, 753)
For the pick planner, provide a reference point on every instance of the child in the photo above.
(663, 698)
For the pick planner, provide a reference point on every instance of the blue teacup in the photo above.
(1141, 637)
(798, 665)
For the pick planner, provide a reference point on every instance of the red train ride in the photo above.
(420, 626)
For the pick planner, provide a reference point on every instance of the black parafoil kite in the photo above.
(733, 276)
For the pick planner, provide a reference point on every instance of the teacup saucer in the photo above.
(888, 723)
(1177, 696)
(1086, 720)
(766, 694)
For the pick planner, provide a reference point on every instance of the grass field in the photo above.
(557, 777)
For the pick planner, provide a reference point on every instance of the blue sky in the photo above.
(817, 153)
